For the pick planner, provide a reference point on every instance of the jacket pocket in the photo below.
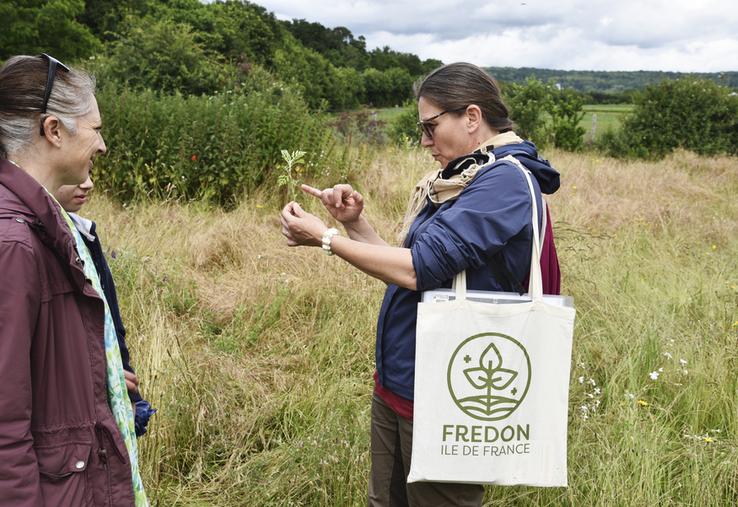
(63, 472)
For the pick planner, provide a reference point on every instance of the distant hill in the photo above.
(604, 81)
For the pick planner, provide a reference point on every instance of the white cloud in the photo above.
(680, 35)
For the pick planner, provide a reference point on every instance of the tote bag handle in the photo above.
(535, 281)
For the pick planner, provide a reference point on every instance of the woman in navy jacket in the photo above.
(472, 214)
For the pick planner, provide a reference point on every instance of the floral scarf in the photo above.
(118, 399)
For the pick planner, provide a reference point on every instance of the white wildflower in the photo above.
(683, 362)
(654, 375)
(668, 355)
(581, 380)
(597, 390)
(630, 396)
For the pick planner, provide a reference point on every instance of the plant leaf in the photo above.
(490, 359)
(502, 377)
(478, 377)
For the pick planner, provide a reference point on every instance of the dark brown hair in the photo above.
(22, 84)
(457, 85)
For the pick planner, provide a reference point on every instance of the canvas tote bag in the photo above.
(492, 385)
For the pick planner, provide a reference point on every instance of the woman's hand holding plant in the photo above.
(300, 227)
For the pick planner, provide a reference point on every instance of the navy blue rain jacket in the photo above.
(489, 223)
(108, 287)
(143, 410)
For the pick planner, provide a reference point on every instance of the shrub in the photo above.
(566, 114)
(404, 128)
(45, 27)
(214, 148)
(386, 88)
(164, 55)
(693, 114)
(529, 104)
(545, 114)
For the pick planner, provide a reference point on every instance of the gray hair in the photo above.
(22, 84)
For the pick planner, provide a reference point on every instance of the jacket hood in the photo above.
(527, 154)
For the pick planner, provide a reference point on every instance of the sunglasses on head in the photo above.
(426, 126)
(54, 64)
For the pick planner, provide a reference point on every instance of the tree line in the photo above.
(189, 47)
(607, 86)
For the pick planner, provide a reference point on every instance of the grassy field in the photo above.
(599, 118)
(259, 357)
(387, 114)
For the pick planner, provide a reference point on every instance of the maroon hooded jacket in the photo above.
(59, 444)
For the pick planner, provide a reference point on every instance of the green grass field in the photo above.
(387, 114)
(260, 357)
(599, 118)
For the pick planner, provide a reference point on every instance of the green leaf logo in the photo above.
(497, 384)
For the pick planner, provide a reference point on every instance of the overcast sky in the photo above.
(676, 35)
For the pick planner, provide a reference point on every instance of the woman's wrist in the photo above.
(327, 239)
(355, 225)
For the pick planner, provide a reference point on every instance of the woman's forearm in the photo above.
(389, 264)
(362, 231)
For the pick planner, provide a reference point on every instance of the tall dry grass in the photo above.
(259, 357)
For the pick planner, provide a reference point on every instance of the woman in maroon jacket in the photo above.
(65, 419)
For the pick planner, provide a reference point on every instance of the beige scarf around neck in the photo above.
(439, 190)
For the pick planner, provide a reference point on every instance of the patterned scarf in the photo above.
(118, 400)
(444, 185)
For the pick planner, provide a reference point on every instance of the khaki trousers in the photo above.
(392, 442)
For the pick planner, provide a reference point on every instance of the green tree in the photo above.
(163, 55)
(236, 30)
(337, 44)
(693, 114)
(103, 17)
(349, 90)
(529, 104)
(566, 114)
(34, 27)
(308, 70)
(544, 114)
(387, 88)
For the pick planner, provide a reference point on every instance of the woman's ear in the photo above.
(52, 130)
(473, 118)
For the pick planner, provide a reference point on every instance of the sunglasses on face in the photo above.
(427, 126)
(54, 64)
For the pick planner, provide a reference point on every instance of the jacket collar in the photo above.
(85, 226)
(43, 213)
